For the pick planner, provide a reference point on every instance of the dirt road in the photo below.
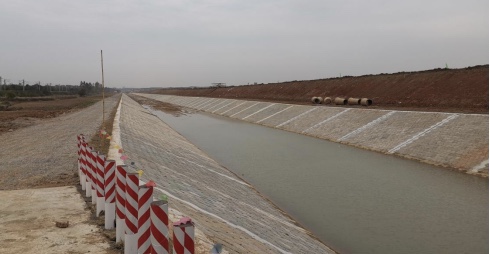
(44, 154)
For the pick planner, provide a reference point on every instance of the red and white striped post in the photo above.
(83, 163)
(131, 236)
(94, 176)
(120, 202)
(79, 153)
(88, 170)
(100, 183)
(145, 197)
(183, 239)
(110, 193)
(159, 227)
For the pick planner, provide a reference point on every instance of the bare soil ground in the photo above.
(44, 155)
(447, 90)
(20, 114)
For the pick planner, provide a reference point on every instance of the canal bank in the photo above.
(356, 201)
(224, 207)
(451, 140)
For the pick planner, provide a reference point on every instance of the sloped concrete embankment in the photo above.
(224, 207)
(451, 140)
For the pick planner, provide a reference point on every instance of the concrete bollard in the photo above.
(120, 202)
(145, 197)
(100, 183)
(183, 238)
(79, 153)
(94, 176)
(159, 227)
(88, 169)
(83, 165)
(110, 193)
(131, 235)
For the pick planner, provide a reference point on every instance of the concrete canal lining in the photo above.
(458, 141)
(223, 206)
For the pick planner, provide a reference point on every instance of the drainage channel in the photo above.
(354, 200)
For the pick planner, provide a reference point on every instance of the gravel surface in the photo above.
(45, 154)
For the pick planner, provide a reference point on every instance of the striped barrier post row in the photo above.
(183, 239)
(100, 162)
(159, 227)
(131, 236)
(145, 197)
(120, 202)
(110, 193)
(93, 176)
(146, 221)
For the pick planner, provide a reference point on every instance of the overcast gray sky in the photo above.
(195, 43)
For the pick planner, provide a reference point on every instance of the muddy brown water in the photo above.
(355, 201)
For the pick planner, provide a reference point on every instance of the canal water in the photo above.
(355, 201)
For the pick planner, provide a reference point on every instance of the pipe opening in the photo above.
(366, 102)
(316, 100)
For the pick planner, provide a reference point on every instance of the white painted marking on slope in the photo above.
(189, 161)
(221, 102)
(477, 168)
(234, 107)
(245, 109)
(326, 120)
(207, 104)
(254, 236)
(422, 133)
(296, 117)
(260, 110)
(276, 113)
(189, 101)
(212, 104)
(232, 101)
(282, 221)
(196, 102)
(202, 102)
(359, 130)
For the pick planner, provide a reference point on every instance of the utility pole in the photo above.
(1, 87)
(23, 85)
(103, 101)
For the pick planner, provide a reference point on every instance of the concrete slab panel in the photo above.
(461, 143)
(251, 110)
(306, 121)
(394, 130)
(267, 112)
(344, 124)
(285, 115)
(239, 107)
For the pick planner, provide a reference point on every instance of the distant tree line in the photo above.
(22, 89)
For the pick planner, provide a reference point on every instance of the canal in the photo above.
(355, 201)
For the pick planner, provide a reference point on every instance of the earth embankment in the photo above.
(448, 90)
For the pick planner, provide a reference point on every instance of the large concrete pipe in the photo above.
(327, 100)
(366, 102)
(354, 101)
(340, 101)
(316, 100)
